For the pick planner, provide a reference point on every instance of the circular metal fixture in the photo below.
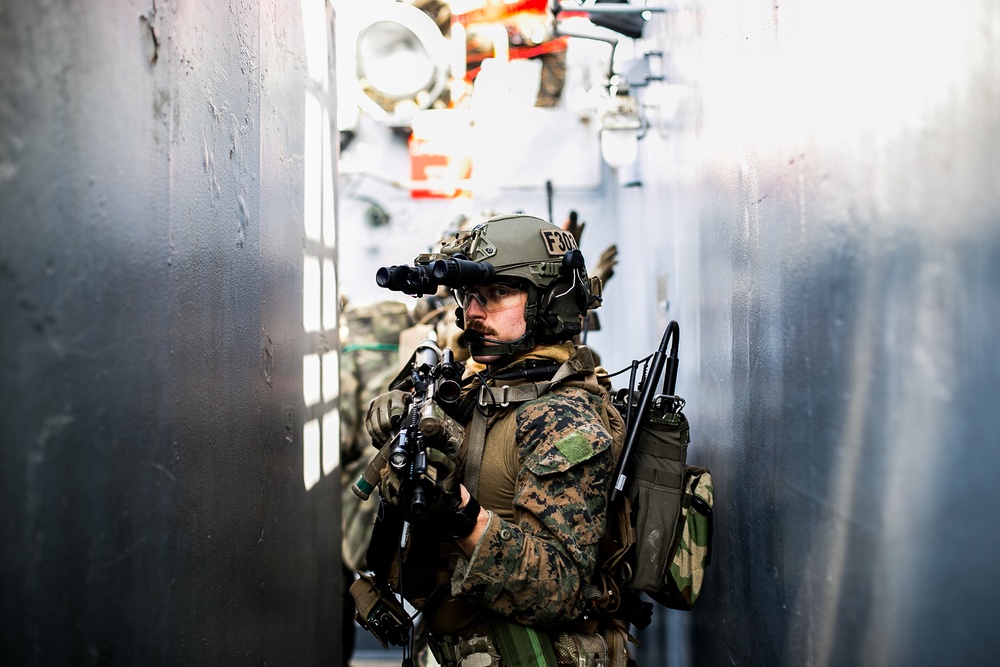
(402, 63)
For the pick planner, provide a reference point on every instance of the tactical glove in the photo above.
(606, 264)
(440, 488)
(431, 489)
(385, 413)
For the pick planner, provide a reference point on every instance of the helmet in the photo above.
(542, 258)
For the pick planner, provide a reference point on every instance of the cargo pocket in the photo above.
(656, 509)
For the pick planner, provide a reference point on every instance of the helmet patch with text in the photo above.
(557, 241)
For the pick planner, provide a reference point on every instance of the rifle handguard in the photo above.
(435, 423)
(426, 446)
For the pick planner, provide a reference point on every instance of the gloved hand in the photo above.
(606, 264)
(385, 413)
(447, 480)
(440, 489)
(435, 491)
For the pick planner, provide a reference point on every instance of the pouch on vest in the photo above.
(671, 502)
(691, 552)
(379, 612)
(655, 490)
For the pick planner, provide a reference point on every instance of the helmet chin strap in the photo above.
(481, 346)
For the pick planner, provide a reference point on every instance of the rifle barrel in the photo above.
(372, 476)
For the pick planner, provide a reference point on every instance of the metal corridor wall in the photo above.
(830, 221)
(166, 211)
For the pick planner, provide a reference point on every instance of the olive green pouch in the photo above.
(656, 491)
(671, 510)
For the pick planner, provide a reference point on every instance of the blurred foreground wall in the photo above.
(166, 224)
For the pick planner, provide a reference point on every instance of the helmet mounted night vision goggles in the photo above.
(521, 250)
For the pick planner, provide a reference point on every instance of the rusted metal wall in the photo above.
(164, 496)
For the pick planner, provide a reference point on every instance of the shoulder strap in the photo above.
(474, 451)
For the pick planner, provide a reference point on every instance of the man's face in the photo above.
(496, 311)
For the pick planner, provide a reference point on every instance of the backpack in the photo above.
(667, 503)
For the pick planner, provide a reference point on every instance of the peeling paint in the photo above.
(267, 361)
(244, 221)
(151, 45)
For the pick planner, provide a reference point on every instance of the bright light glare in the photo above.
(330, 298)
(331, 376)
(832, 74)
(314, 33)
(619, 148)
(311, 379)
(310, 453)
(311, 294)
(329, 205)
(331, 441)
(503, 98)
(312, 159)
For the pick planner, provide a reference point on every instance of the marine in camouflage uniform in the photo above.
(368, 361)
(518, 587)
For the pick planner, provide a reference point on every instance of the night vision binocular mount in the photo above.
(426, 276)
(427, 273)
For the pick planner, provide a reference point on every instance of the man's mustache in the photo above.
(482, 329)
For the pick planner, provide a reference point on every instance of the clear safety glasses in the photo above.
(490, 297)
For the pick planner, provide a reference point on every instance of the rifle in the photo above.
(433, 378)
(424, 452)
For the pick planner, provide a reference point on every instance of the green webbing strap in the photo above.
(520, 646)
(374, 347)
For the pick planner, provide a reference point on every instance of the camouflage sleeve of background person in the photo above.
(536, 570)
